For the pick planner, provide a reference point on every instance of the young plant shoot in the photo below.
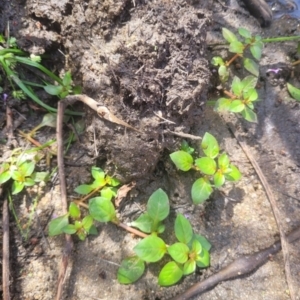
(215, 168)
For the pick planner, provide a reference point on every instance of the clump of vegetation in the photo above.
(215, 168)
(20, 167)
(11, 56)
(189, 252)
(241, 94)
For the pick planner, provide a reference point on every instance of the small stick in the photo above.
(5, 251)
(276, 213)
(60, 161)
(184, 135)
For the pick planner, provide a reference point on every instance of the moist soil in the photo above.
(148, 63)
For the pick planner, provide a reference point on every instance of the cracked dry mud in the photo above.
(142, 59)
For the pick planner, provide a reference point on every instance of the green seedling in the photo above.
(215, 168)
(11, 56)
(241, 98)
(190, 250)
(239, 47)
(20, 168)
(101, 208)
(157, 210)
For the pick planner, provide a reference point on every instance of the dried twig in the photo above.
(5, 251)
(60, 161)
(276, 214)
(184, 135)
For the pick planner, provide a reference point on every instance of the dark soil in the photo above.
(148, 62)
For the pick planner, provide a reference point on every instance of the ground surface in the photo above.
(142, 59)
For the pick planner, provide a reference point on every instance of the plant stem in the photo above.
(281, 39)
(229, 94)
(79, 202)
(232, 59)
(132, 230)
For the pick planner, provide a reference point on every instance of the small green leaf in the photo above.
(150, 249)
(217, 61)
(228, 35)
(179, 252)
(29, 181)
(5, 176)
(40, 176)
(81, 235)
(251, 66)
(69, 229)
(27, 168)
(295, 93)
(196, 246)
(249, 82)
(131, 269)
(223, 161)
(249, 115)
(93, 230)
(223, 104)
(98, 173)
(17, 187)
(189, 267)
(144, 222)
(201, 190)
(236, 106)
(74, 211)
(182, 160)
(170, 274)
(250, 94)
(109, 192)
(203, 259)
(87, 223)
(77, 90)
(206, 165)
(219, 179)
(210, 145)
(101, 209)
(49, 120)
(112, 181)
(158, 206)
(57, 225)
(160, 228)
(237, 86)
(236, 47)
(186, 148)
(84, 189)
(223, 73)
(203, 241)
(256, 49)
(244, 33)
(67, 80)
(234, 175)
(17, 176)
(183, 229)
(54, 90)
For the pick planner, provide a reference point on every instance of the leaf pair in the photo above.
(158, 209)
